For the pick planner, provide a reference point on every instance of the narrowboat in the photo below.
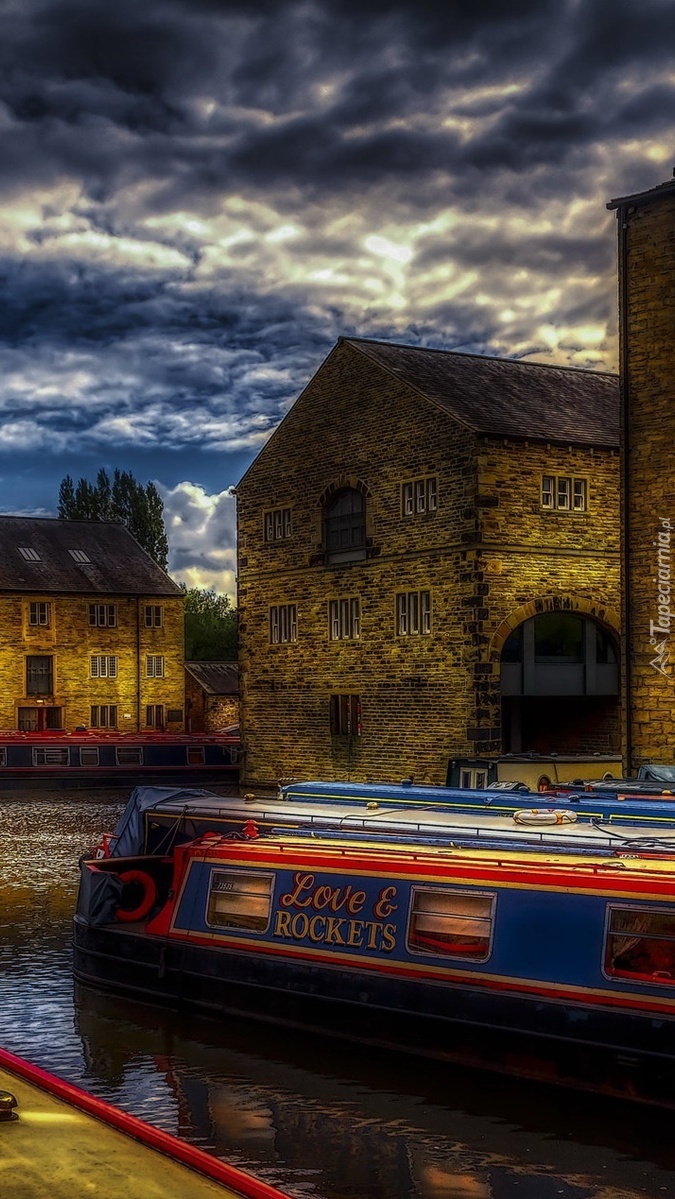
(477, 927)
(57, 1140)
(84, 758)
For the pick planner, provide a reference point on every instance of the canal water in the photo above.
(320, 1119)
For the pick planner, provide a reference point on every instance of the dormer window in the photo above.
(345, 527)
(29, 554)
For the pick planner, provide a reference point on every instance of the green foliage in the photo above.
(124, 500)
(210, 626)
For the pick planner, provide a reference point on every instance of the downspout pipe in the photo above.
(624, 392)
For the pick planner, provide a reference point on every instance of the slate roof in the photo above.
(505, 397)
(216, 678)
(640, 198)
(116, 563)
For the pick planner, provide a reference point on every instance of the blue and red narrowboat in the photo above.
(465, 926)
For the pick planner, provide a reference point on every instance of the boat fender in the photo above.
(544, 816)
(251, 830)
(148, 895)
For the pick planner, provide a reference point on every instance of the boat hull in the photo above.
(620, 1054)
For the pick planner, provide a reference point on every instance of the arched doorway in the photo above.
(560, 686)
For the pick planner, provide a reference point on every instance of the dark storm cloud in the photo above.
(197, 197)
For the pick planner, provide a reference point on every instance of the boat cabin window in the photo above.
(640, 945)
(129, 755)
(3, 755)
(196, 755)
(450, 923)
(50, 755)
(89, 755)
(238, 900)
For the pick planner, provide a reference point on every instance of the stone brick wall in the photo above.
(486, 553)
(71, 641)
(647, 342)
(208, 713)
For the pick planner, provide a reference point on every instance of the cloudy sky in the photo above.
(199, 196)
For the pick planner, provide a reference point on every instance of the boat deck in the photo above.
(55, 1150)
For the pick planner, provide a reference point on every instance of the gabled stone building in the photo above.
(429, 567)
(91, 630)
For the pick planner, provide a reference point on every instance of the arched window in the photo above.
(345, 527)
(559, 653)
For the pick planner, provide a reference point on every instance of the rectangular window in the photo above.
(450, 923)
(344, 619)
(128, 755)
(154, 716)
(283, 624)
(80, 556)
(50, 755)
(154, 666)
(39, 675)
(345, 715)
(103, 666)
(29, 554)
(277, 524)
(89, 755)
(103, 615)
(562, 493)
(154, 616)
(419, 496)
(3, 755)
(238, 900)
(640, 945)
(413, 613)
(40, 613)
(104, 716)
(196, 755)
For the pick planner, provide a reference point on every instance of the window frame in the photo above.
(419, 496)
(413, 613)
(344, 618)
(109, 671)
(277, 524)
(103, 616)
(97, 721)
(156, 670)
(345, 715)
(566, 493)
(283, 624)
(34, 608)
(153, 616)
(227, 929)
(427, 888)
(35, 690)
(657, 979)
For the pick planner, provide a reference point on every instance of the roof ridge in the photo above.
(401, 345)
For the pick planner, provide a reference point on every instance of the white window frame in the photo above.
(564, 493)
(103, 666)
(413, 613)
(344, 619)
(277, 524)
(154, 616)
(103, 716)
(419, 496)
(450, 916)
(39, 613)
(283, 624)
(103, 616)
(154, 666)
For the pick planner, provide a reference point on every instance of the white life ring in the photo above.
(544, 816)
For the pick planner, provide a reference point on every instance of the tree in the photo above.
(125, 500)
(210, 626)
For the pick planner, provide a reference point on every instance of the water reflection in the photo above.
(311, 1115)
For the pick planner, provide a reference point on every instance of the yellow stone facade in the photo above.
(68, 641)
(489, 556)
(646, 228)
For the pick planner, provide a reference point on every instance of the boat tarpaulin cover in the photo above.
(128, 837)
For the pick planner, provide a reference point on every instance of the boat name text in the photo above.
(309, 900)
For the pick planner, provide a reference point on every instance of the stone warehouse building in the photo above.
(91, 630)
(646, 232)
(429, 567)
